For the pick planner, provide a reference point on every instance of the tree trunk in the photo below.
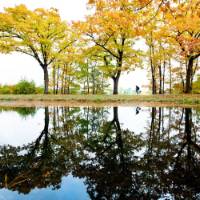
(57, 80)
(68, 85)
(153, 118)
(160, 77)
(170, 77)
(46, 80)
(153, 76)
(88, 85)
(115, 85)
(54, 79)
(153, 85)
(153, 68)
(183, 85)
(163, 78)
(116, 119)
(68, 89)
(188, 121)
(188, 86)
(87, 80)
(194, 71)
(62, 82)
(46, 119)
(188, 132)
(93, 85)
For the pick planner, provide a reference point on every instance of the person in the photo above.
(137, 111)
(138, 91)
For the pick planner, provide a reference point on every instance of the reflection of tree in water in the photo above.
(115, 162)
(108, 162)
(171, 160)
(45, 161)
(39, 164)
(119, 164)
(22, 111)
(186, 171)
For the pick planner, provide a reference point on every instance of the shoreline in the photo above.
(100, 100)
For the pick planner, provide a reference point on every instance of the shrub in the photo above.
(39, 90)
(25, 87)
(6, 89)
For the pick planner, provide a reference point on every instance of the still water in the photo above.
(86, 153)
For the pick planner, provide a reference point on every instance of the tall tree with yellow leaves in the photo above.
(40, 33)
(112, 30)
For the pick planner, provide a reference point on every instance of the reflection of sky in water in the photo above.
(72, 189)
(17, 131)
(132, 121)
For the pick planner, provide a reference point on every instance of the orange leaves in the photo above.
(144, 3)
(190, 45)
(91, 1)
(182, 21)
(111, 31)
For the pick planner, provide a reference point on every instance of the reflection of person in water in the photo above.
(137, 89)
(137, 111)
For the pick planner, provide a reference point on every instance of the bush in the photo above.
(39, 90)
(6, 89)
(25, 87)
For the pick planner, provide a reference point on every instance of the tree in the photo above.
(64, 76)
(182, 20)
(40, 33)
(90, 72)
(112, 30)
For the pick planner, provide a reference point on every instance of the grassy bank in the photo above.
(106, 99)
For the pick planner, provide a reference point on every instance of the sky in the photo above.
(15, 66)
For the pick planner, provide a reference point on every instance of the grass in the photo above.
(180, 99)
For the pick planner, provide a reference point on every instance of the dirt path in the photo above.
(35, 103)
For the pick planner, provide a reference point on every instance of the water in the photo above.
(123, 153)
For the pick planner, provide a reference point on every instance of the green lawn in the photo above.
(176, 99)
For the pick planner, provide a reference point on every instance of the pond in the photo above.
(108, 153)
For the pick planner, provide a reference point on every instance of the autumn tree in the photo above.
(40, 33)
(182, 20)
(112, 30)
(159, 54)
(64, 75)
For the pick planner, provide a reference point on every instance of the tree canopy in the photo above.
(40, 33)
(83, 55)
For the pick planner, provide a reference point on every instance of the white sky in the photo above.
(17, 66)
